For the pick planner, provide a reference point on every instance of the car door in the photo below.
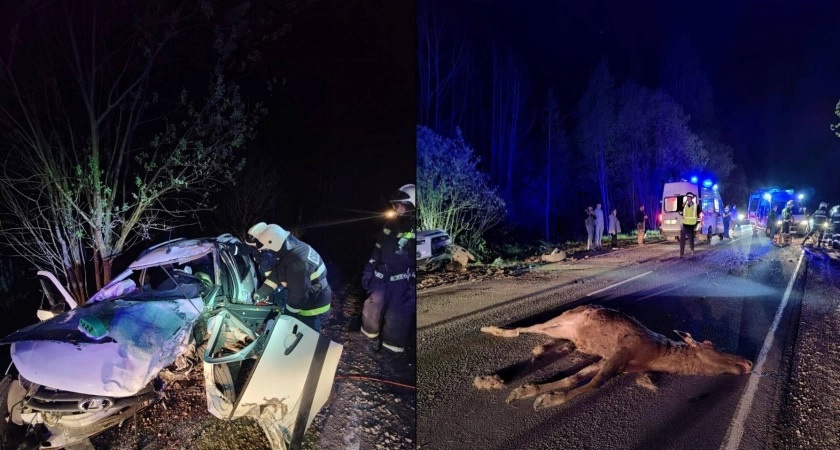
(55, 294)
(280, 373)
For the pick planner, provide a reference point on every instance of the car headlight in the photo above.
(825, 225)
(779, 223)
(740, 217)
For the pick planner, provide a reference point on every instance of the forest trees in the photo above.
(453, 194)
(114, 131)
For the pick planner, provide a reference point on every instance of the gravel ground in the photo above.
(372, 405)
(810, 407)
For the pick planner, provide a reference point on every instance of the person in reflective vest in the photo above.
(298, 268)
(389, 278)
(820, 219)
(689, 223)
(787, 222)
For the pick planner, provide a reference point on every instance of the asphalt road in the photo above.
(742, 295)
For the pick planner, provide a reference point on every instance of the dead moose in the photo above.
(624, 346)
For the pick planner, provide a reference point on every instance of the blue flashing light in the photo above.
(707, 183)
(768, 197)
(694, 179)
(714, 187)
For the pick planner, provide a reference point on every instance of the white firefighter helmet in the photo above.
(823, 205)
(272, 236)
(404, 194)
(257, 229)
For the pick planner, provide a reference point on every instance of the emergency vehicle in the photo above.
(761, 202)
(710, 219)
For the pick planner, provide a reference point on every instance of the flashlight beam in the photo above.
(341, 222)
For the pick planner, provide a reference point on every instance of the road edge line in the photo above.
(618, 284)
(736, 428)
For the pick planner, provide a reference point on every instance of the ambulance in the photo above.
(710, 213)
(761, 200)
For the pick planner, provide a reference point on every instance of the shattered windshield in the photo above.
(164, 282)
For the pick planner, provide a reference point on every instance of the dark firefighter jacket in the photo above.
(820, 216)
(300, 269)
(395, 253)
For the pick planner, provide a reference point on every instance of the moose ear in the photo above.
(686, 338)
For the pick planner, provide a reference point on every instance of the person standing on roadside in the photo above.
(726, 219)
(599, 226)
(590, 228)
(689, 223)
(614, 228)
(772, 218)
(641, 219)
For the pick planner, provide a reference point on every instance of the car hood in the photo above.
(140, 338)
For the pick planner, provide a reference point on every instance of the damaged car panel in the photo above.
(79, 372)
(280, 375)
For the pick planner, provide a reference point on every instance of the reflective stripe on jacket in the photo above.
(300, 269)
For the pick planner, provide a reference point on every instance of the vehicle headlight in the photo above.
(825, 225)
(740, 217)
(779, 223)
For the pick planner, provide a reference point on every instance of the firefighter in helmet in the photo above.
(390, 280)
(787, 223)
(297, 267)
(820, 219)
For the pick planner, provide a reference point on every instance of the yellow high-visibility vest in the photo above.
(690, 214)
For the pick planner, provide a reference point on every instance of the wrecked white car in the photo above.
(79, 372)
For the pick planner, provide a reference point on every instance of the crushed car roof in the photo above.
(173, 253)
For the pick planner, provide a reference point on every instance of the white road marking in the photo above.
(619, 283)
(736, 428)
(660, 292)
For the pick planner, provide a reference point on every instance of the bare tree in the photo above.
(254, 196)
(555, 141)
(444, 66)
(102, 150)
(510, 121)
(596, 127)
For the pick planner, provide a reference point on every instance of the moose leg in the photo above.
(609, 368)
(513, 332)
(561, 349)
(530, 390)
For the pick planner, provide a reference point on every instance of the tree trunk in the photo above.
(107, 264)
(97, 269)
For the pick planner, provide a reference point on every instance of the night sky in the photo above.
(772, 65)
(345, 117)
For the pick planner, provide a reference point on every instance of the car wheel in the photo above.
(12, 435)
(224, 381)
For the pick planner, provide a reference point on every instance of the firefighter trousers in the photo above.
(388, 312)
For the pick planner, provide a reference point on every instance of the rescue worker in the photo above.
(641, 220)
(389, 278)
(835, 226)
(772, 218)
(787, 222)
(726, 220)
(820, 218)
(297, 267)
(689, 223)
